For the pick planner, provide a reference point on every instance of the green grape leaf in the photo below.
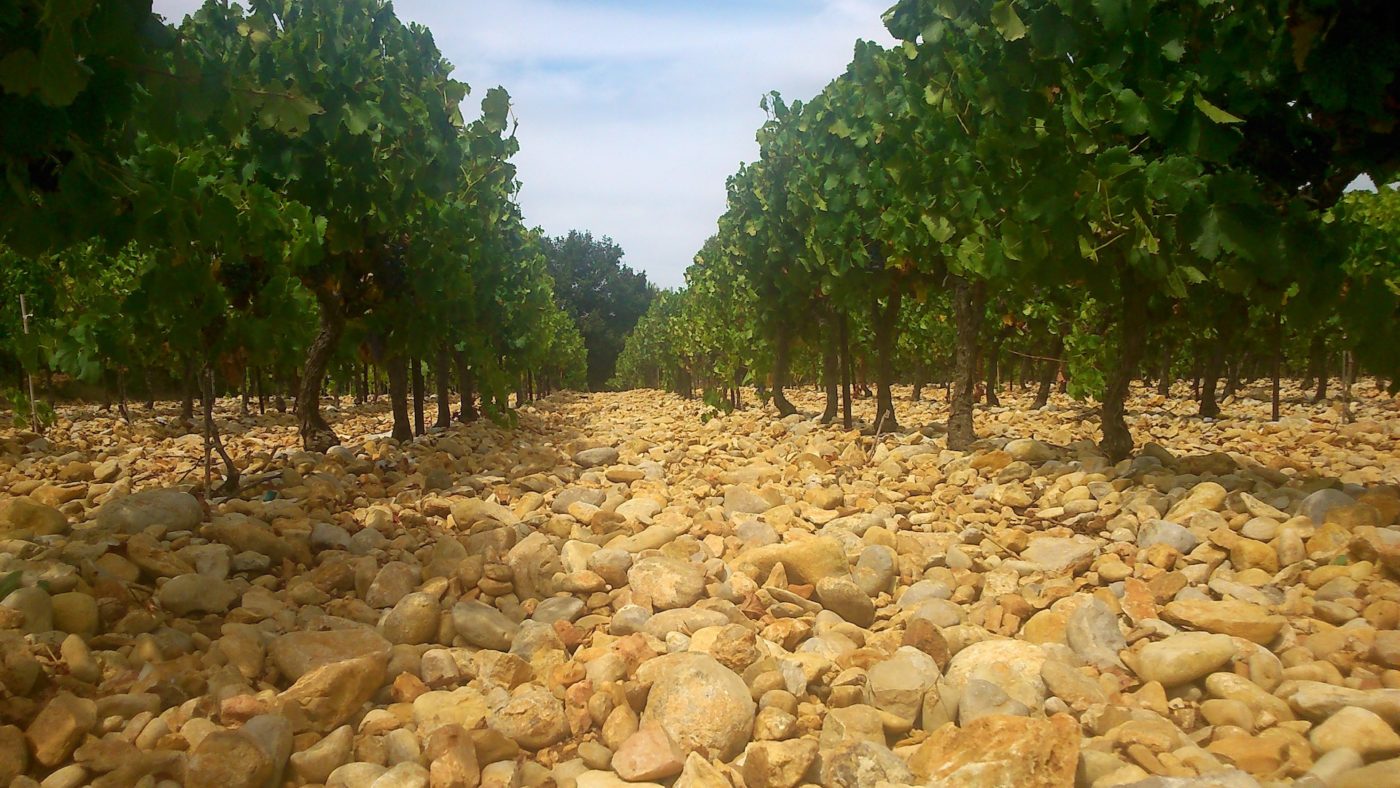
(495, 109)
(1132, 112)
(1207, 243)
(61, 78)
(1213, 112)
(1007, 22)
(939, 230)
(357, 118)
(290, 115)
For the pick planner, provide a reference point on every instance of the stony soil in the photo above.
(619, 593)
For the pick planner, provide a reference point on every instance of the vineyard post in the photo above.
(28, 375)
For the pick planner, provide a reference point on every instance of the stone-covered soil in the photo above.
(618, 591)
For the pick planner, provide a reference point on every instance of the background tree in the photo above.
(603, 295)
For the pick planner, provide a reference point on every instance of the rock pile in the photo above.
(619, 593)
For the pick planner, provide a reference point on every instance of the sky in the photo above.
(634, 112)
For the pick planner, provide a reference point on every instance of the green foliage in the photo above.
(18, 404)
(1369, 296)
(284, 188)
(717, 404)
(652, 354)
(605, 297)
(1105, 178)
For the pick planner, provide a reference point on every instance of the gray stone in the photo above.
(591, 458)
(558, 608)
(1094, 634)
(273, 735)
(533, 563)
(1319, 503)
(174, 510)
(1154, 532)
(195, 593)
(329, 536)
(590, 495)
(981, 698)
(862, 763)
(612, 565)
(1012, 665)
(482, 625)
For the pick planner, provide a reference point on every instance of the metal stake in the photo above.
(33, 411)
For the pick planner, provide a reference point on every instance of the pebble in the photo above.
(1178, 537)
(843, 597)
(1184, 658)
(413, 620)
(1356, 729)
(483, 626)
(648, 754)
(533, 719)
(703, 706)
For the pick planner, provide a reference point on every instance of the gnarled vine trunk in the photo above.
(188, 384)
(993, 365)
(1318, 356)
(782, 346)
(886, 323)
(1117, 440)
(1210, 378)
(968, 301)
(212, 439)
(121, 396)
(397, 368)
(1049, 368)
(316, 432)
(920, 380)
(466, 387)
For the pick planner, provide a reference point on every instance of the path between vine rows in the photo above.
(620, 592)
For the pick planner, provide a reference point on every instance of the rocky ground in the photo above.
(619, 593)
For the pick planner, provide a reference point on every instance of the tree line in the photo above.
(272, 201)
(1058, 190)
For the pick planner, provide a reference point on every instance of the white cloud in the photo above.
(633, 113)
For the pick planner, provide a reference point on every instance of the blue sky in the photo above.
(633, 113)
